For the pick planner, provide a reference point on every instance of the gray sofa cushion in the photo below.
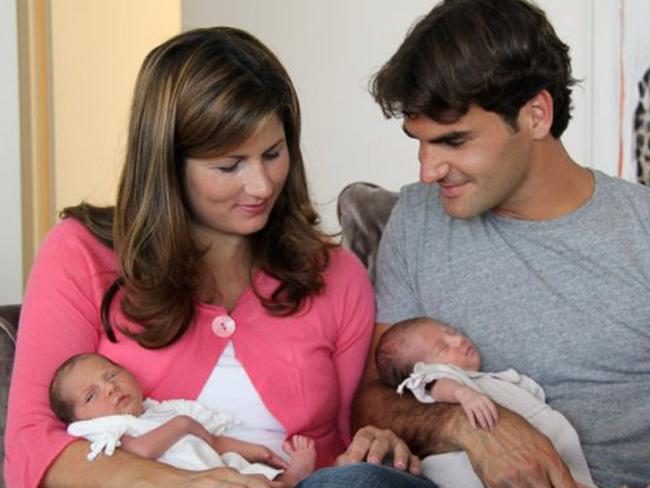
(363, 210)
(9, 315)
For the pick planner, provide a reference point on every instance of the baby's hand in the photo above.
(255, 453)
(479, 408)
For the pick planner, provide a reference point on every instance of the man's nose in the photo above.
(432, 169)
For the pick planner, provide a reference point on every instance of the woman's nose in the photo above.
(258, 183)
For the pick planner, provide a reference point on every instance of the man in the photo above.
(542, 262)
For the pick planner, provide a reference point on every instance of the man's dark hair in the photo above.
(497, 54)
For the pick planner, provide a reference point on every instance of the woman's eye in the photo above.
(270, 156)
(229, 168)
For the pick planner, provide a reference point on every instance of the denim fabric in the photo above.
(364, 475)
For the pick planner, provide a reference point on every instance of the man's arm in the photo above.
(513, 454)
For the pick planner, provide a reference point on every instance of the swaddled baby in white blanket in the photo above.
(101, 401)
(437, 363)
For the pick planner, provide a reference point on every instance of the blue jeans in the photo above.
(364, 475)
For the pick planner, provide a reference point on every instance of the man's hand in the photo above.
(375, 445)
(514, 454)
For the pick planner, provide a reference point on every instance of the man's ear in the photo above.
(540, 114)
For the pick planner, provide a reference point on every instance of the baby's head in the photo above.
(422, 339)
(87, 386)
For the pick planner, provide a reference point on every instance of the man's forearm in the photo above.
(511, 452)
(426, 428)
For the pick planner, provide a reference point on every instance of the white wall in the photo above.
(11, 275)
(332, 48)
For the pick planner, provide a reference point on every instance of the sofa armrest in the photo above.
(9, 315)
(363, 210)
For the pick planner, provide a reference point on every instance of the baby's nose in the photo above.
(110, 388)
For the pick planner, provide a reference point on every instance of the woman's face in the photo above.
(234, 193)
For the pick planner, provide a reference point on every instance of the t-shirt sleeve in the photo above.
(59, 318)
(355, 329)
(396, 296)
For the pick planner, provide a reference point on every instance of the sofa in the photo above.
(9, 315)
(362, 209)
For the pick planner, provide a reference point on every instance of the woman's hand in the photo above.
(375, 445)
(226, 478)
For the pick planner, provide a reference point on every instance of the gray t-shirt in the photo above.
(564, 301)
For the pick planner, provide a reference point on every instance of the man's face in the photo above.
(480, 162)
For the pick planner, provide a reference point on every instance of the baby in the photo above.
(438, 363)
(102, 402)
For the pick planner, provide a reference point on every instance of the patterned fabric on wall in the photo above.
(642, 131)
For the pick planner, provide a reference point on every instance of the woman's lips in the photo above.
(254, 208)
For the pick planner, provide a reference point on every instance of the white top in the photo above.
(230, 391)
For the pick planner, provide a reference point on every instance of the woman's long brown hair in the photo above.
(198, 95)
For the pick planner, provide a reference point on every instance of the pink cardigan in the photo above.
(306, 367)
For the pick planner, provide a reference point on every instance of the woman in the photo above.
(209, 279)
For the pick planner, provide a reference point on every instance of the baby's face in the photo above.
(95, 388)
(445, 345)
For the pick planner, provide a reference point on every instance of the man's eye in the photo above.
(454, 142)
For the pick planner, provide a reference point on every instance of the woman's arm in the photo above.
(355, 313)
(72, 470)
(59, 318)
